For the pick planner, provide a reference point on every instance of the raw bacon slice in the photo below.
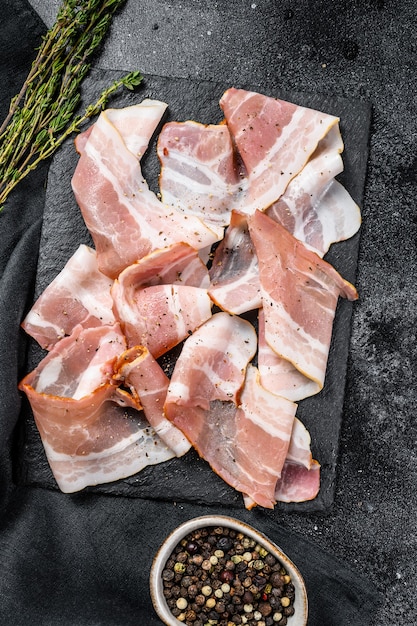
(82, 414)
(125, 218)
(315, 207)
(200, 174)
(299, 293)
(278, 374)
(245, 444)
(234, 273)
(299, 451)
(138, 369)
(213, 362)
(80, 294)
(161, 316)
(136, 125)
(297, 483)
(178, 264)
(274, 138)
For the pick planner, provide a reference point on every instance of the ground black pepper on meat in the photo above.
(217, 576)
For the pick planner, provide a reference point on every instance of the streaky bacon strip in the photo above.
(213, 362)
(297, 483)
(299, 293)
(124, 217)
(274, 138)
(160, 316)
(315, 207)
(82, 413)
(242, 430)
(200, 173)
(138, 369)
(234, 273)
(80, 294)
(278, 374)
(178, 264)
(245, 444)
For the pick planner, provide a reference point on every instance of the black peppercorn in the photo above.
(220, 576)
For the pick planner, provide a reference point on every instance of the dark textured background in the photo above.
(361, 50)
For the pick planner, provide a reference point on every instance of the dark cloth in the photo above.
(84, 559)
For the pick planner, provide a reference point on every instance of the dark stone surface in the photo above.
(360, 50)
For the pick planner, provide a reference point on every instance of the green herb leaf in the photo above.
(44, 113)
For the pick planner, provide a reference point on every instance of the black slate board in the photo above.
(190, 478)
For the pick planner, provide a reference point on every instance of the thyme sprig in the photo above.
(44, 113)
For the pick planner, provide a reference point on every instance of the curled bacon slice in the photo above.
(125, 218)
(299, 293)
(160, 316)
(242, 430)
(83, 415)
(137, 368)
(234, 273)
(274, 138)
(200, 173)
(80, 294)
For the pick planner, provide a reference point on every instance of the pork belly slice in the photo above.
(213, 362)
(92, 429)
(242, 430)
(178, 264)
(299, 293)
(299, 479)
(278, 374)
(200, 173)
(80, 294)
(160, 316)
(275, 139)
(297, 483)
(136, 124)
(138, 369)
(234, 272)
(125, 218)
(315, 207)
(245, 444)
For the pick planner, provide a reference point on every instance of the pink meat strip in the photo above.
(82, 412)
(138, 369)
(160, 316)
(275, 139)
(136, 125)
(178, 264)
(200, 173)
(315, 207)
(125, 218)
(278, 374)
(242, 430)
(80, 294)
(298, 484)
(299, 293)
(213, 362)
(234, 274)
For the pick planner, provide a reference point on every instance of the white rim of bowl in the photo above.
(156, 588)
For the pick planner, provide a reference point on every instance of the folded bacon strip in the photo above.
(200, 174)
(82, 412)
(315, 207)
(125, 218)
(299, 293)
(274, 138)
(234, 273)
(80, 294)
(242, 430)
(139, 370)
(161, 316)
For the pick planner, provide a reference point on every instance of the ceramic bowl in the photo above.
(156, 588)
